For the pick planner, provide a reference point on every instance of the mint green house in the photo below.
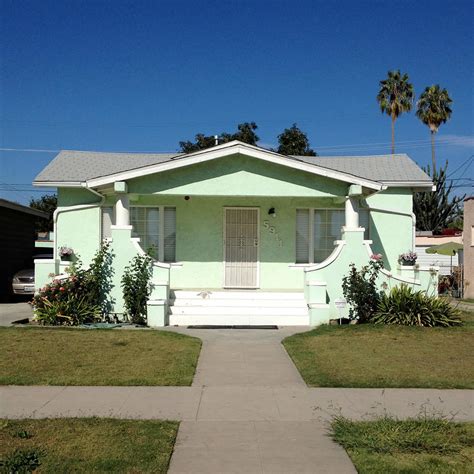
(239, 234)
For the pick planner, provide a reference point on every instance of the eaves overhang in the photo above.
(422, 186)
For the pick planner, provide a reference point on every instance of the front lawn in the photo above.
(369, 355)
(56, 356)
(87, 445)
(392, 446)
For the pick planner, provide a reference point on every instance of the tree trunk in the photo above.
(433, 158)
(393, 135)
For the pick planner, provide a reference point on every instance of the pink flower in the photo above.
(62, 288)
(376, 256)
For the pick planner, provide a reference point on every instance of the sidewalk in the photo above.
(247, 411)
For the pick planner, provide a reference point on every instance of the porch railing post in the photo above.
(352, 213)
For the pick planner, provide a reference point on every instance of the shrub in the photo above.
(71, 310)
(360, 290)
(82, 297)
(136, 288)
(21, 461)
(407, 307)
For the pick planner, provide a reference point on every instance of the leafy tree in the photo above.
(293, 141)
(395, 97)
(433, 109)
(245, 133)
(46, 203)
(435, 211)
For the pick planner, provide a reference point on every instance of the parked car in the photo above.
(23, 282)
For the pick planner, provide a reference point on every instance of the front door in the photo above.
(241, 247)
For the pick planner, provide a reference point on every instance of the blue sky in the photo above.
(141, 76)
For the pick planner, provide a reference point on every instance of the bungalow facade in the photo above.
(239, 234)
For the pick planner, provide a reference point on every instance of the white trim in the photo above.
(40, 261)
(258, 247)
(316, 283)
(121, 227)
(335, 253)
(352, 229)
(59, 184)
(234, 147)
(410, 184)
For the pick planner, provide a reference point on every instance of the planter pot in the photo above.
(408, 264)
(66, 258)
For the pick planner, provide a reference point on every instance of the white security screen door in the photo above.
(241, 247)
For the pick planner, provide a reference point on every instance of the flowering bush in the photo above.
(66, 251)
(63, 301)
(80, 297)
(360, 289)
(408, 257)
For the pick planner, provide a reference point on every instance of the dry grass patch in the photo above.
(87, 445)
(418, 445)
(385, 356)
(40, 356)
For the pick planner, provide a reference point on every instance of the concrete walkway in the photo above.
(247, 411)
(12, 312)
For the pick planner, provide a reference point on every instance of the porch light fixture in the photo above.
(272, 212)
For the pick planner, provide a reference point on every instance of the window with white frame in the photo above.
(317, 229)
(156, 227)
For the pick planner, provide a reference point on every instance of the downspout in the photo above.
(78, 207)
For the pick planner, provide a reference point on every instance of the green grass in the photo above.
(411, 446)
(56, 356)
(91, 444)
(367, 355)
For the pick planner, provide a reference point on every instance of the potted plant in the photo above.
(407, 259)
(66, 253)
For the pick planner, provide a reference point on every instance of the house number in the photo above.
(272, 230)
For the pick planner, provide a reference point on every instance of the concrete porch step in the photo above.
(238, 303)
(238, 319)
(242, 310)
(201, 294)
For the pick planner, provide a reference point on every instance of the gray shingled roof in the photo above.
(80, 166)
(383, 168)
(83, 165)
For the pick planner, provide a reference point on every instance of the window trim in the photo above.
(161, 230)
(311, 230)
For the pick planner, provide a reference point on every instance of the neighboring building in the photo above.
(240, 234)
(444, 262)
(17, 242)
(468, 234)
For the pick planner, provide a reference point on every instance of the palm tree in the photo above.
(433, 109)
(395, 97)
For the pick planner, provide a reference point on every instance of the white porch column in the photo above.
(352, 213)
(122, 205)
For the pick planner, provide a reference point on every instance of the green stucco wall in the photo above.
(80, 228)
(238, 175)
(391, 232)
